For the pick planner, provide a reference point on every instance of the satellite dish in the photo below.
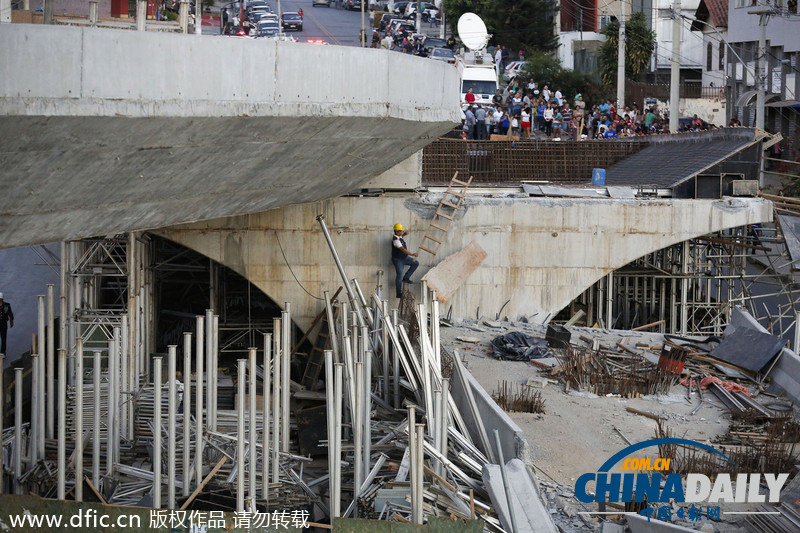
(472, 31)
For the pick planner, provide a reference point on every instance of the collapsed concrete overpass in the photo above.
(543, 252)
(107, 131)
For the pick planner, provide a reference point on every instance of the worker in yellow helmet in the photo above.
(402, 257)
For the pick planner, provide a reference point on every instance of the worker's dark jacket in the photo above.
(397, 253)
(6, 313)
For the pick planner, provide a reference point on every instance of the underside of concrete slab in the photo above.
(111, 134)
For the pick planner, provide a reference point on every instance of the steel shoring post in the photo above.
(110, 409)
(209, 369)
(33, 437)
(395, 367)
(337, 441)
(96, 373)
(214, 370)
(50, 360)
(187, 410)
(17, 429)
(506, 485)
(265, 413)
(385, 352)
(330, 405)
(286, 338)
(157, 432)
(171, 412)
(420, 437)
(41, 388)
(78, 420)
(412, 456)
(436, 429)
(240, 462)
(62, 424)
(199, 379)
(348, 287)
(252, 433)
(367, 409)
(122, 382)
(358, 463)
(2, 414)
(276, 397)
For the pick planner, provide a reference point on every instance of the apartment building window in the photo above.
(722, 55)
(709, 57)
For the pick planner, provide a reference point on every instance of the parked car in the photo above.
(385, 19)
(315, 3)
(428, 10)
(266, 17)
(443, 54)
(267, 28)
(434, 42)
(512, 70)
(403, 29)
(352, 5)
(400, 7)
(292, 21)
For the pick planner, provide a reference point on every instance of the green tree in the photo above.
(517, 24)
(639, 45)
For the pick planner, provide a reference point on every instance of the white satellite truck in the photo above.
(475, 66)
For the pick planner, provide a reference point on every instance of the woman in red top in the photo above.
(300, 12)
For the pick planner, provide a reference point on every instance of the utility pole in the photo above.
(675, 72)
(419, 16)
(198, 17)
(620, 59)
(761, 69)
(442, 23)
(363, 27)
(5, 11)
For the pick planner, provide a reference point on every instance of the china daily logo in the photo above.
(620, 479)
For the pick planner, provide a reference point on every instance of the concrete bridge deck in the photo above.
(106, 131)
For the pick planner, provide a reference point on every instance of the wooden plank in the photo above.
(650, 325)
(94, 490)
(651, 416)
(426, 250)
(426, 236)
(439, 227)
(204, 483)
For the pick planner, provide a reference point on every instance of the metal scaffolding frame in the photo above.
(691, 288)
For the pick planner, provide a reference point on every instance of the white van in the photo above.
(478, 73)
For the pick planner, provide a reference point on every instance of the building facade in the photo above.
(782, 69)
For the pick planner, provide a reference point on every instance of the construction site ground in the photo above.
(577, 434)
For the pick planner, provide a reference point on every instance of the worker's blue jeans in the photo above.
(399, 266)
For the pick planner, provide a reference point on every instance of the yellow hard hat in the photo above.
(399, 227)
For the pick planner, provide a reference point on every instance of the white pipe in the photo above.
(110, 410)
(365, 414)
(96, 421)
(122, 382)
(171, 411)
(209, 366)
(198, 417)
(215, 371)
(265, 412)
(435, 339)
(50, 362)
(157, 432)
(252, 433)
(329, 404)
(286, 323)
(240, 462)
(33, 437)
(443, 420)
(41, 389)
(337, 440)
(17, 429)
(437, 427)
(62, 299)
(62, 424)
(276, 397)
(395, 366)
(358, 463)
(420, 436)
(412, 458)
(79, 420)
(187, 410)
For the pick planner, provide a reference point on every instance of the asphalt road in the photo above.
(330, 24)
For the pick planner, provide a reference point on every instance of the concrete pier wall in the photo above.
(542, 252)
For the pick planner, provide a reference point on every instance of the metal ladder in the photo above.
(445, 213)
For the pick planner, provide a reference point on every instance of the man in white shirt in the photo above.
(559, 97)
(498, 60)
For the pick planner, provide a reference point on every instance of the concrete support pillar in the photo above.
(141, 15)
(48, 11)
(183, 16)
(93, 12)
(5, 11)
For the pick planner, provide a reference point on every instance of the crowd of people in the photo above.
(525, 110)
